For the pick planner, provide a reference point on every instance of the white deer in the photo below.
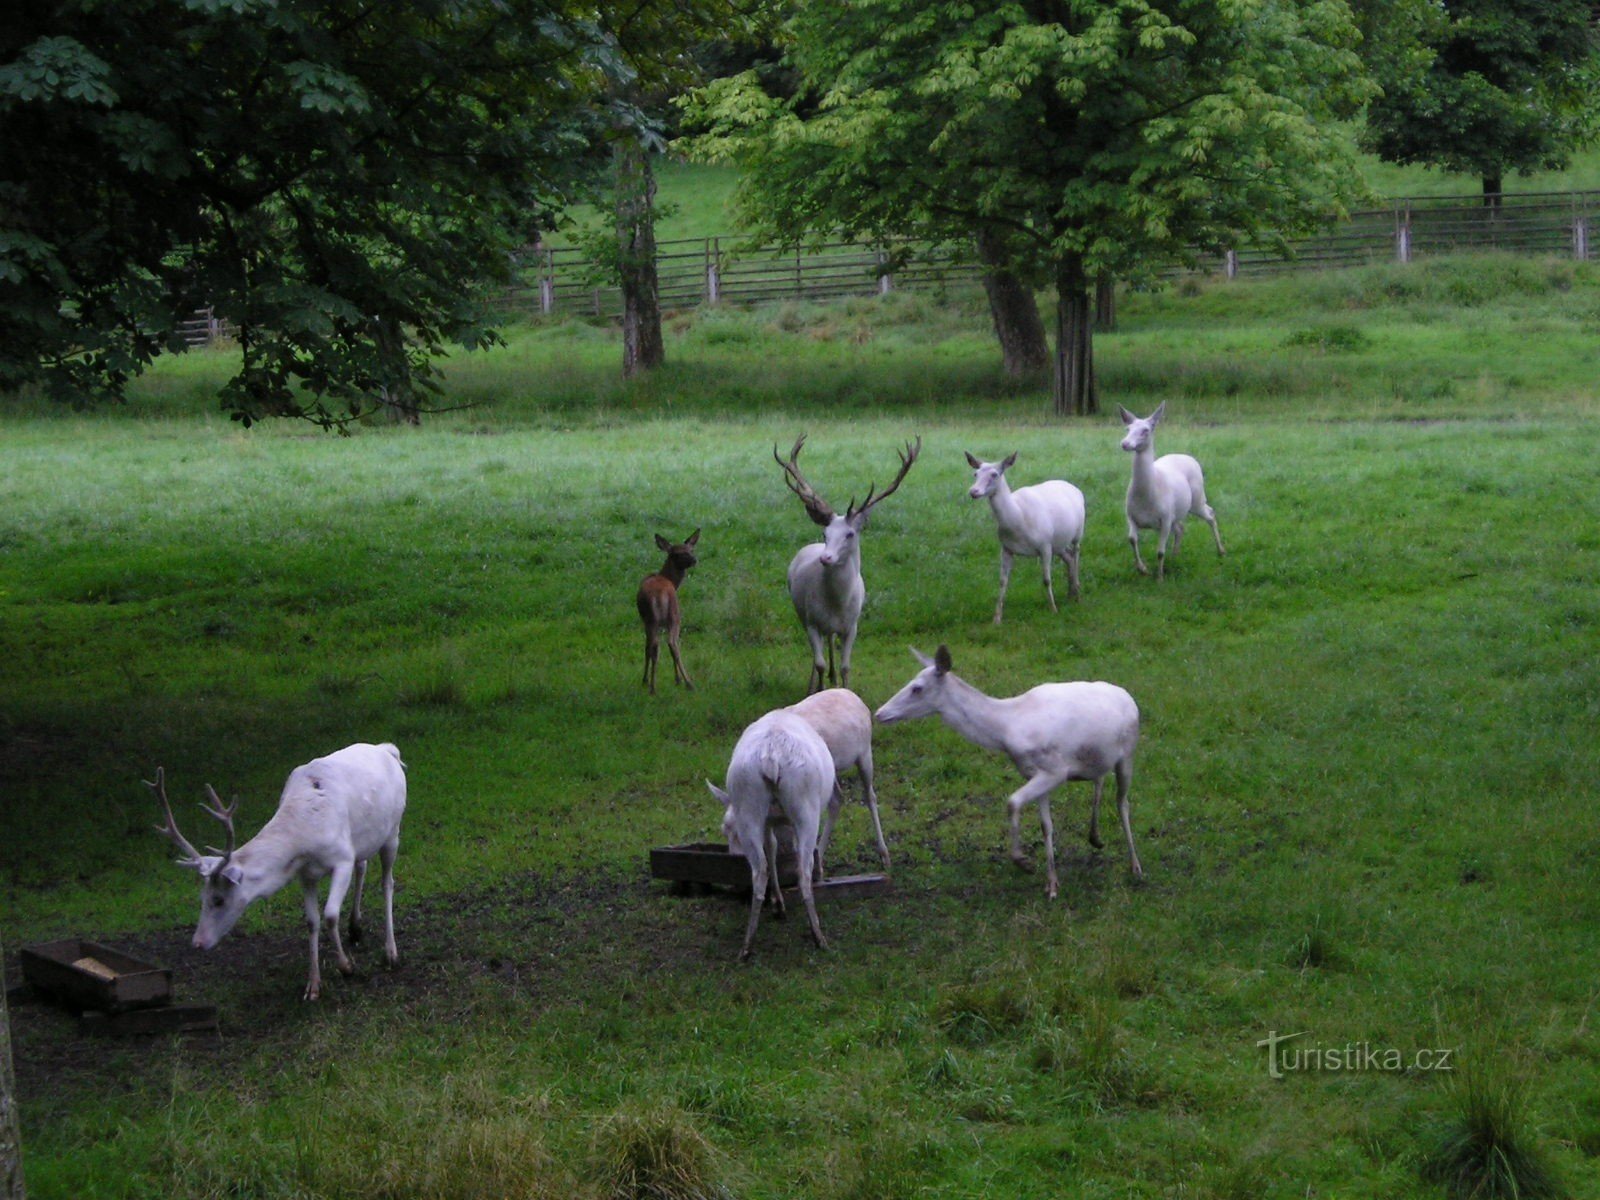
(1044, 521)
(1054, 733)
(825, 577)
(844, 723)
(335, 814)
(1163, 490)
(780, 769)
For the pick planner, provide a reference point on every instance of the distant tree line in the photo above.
(344, 183)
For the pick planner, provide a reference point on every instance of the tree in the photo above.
(11, 1185)
(1105, 137)
(1481, 86)
(338, 180)
(643, 348)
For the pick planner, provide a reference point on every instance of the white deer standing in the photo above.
(1043, 521)
(780, 769)
(1163, 491)
(825, 577)
(844, 723)
(1054, 733)
(336, 813)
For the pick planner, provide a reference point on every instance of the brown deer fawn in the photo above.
(658, 607)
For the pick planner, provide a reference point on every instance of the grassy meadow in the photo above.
(1363, 797)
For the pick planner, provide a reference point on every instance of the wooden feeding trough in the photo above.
(114, 992)
(709, 864)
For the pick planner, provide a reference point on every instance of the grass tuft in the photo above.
(1485, 1146)
(656, 1154)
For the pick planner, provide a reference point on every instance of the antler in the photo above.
(907, 457)
(816, 507)
(224, 813)
(170, 829)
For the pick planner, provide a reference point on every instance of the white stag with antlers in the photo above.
(336, 813)
(825, 577)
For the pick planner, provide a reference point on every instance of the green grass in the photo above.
(1363, 796)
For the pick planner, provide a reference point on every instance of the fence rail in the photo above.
(718, 270)
(715, 270)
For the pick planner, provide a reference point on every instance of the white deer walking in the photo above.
(1163, 490)
(1043, 521)
(336, 813)
(825, 577)
(1054, 733)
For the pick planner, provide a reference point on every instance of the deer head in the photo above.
(839, 532)
(223, 898)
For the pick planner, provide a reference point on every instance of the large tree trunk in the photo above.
(396, 392)
(10, 1126)
(1492, 186)
(1105, 303)
(642, 348)
(1017, 323)
(1074, 390)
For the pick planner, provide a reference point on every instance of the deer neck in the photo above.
(267, 861)
(979, 718)
(673, 573)
(1003, 503)
(1144, 469)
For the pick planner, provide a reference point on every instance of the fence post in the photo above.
(713, 270)
(885, 280)
(1402, 233)
(1230, 264)
(547, 282)
(1580, 238)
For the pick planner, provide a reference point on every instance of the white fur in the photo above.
(780, 766)
(1044, 521)
(844, 723)
(1162, 492)
(1054, 733)
(335, 813)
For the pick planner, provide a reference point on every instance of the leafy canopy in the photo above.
(1117, 135)
(337, 178)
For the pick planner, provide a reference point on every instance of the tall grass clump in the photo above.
(654, 1154)
(1485, 1146)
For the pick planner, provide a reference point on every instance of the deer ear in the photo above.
(662, 543)
(1010, 460)
(1127, 417)
(941, 660)
(233, 874)
(722, 796)
(692, 538)
(921, 657)
(971, 462)
(1161, 411)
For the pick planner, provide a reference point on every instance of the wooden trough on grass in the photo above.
(113, 992)
(701, 865)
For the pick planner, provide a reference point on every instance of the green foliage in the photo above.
(1483, 86)
(335, 181)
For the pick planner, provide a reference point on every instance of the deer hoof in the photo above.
(312, 990)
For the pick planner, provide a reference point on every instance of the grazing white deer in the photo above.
(335, 814)
(825, 577)
(1044, 521)
(1054, 733)
(780, 765)
(844, 723)
(657, 602)
(1163, 490)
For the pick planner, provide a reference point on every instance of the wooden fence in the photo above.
(713, 271)
(718, 270)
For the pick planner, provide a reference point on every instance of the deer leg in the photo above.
(391, 952)
(1036, 788)
(1124, 771)
(1161, 549)
(755, 854)
(829, 815)
(847, 644)
(1070, 557)
(1209, 516)
(1005, 582)
(865, 767)
(1046, 824)
(1133, 540)
(1094, 814)
(774, 883)
(817, 661)
(652, 651)
(677, 659)
(1048, 559)
(357, 887)
(338, 885)
(805, 835)
(313, 926)
(833, 677)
